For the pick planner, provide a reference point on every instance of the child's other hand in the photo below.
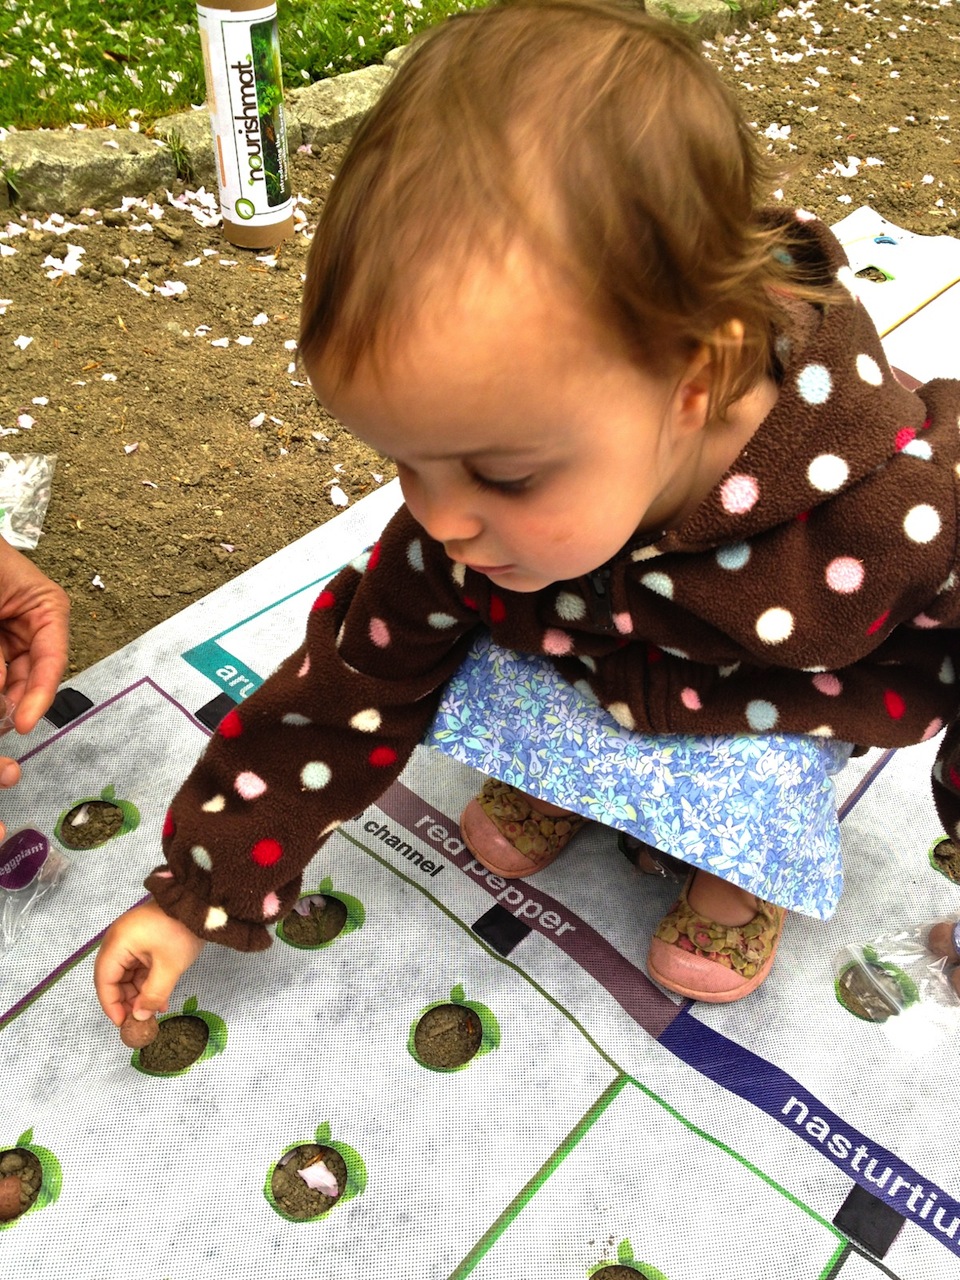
(140, 960)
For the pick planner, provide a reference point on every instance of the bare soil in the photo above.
(233, 458)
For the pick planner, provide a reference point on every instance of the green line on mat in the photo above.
(508, 1215)
(836, 1262)
(747, 1164)
(523, 1197)
(494, 955)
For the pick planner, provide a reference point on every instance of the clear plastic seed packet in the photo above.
(29, 872)
(906, 982)
(25, 484)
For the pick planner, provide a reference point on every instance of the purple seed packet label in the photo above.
(21, 857)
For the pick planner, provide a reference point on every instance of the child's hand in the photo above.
(140, 960)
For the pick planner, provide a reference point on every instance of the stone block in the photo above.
(330, 110)
(68, 170)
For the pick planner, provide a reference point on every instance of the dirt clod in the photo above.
(137, 1034)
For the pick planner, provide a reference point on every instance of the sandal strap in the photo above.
(743, 948)
(536, 835)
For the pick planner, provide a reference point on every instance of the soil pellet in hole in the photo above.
(874, 996)
(292, 1194)
(179, 1043)
(90, 824)
(947, 858)
(9, 1197)
(136, 1034)
(25, 1169)
(447, 1036)
(315, 920)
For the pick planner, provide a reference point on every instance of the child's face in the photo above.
(525, 441)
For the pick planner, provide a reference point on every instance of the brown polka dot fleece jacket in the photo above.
(815, 591)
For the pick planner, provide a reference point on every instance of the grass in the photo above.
(89, 62)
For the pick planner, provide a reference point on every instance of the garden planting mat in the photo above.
(602, 1127)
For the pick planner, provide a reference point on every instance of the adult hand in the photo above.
(34, 615)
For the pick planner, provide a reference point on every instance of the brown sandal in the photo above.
(505, 832)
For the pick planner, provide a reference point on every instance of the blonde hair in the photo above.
(595, 134)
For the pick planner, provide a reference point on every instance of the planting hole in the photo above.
(293, 1194)
(447, 1036)
(869, 992)
(315, 919)
(946, 858)
(180, 1042)
(90, 824)
(21, 1175)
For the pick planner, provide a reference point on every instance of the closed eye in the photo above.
(509, 487)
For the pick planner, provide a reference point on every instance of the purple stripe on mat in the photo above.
(62, 968)
(866, 781)
(629, 986)
(779, 1096)
(102, 706)
(56, 974)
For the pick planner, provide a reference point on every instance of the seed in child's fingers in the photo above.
(941, 940)
(9, 1197)
(136, 1034)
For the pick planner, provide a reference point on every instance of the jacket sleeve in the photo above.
(322, 738)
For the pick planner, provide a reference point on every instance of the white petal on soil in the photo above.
(290, 344)
(319, 1178)
(259, 420)
(220, 342)
(131, 448)
(338, 497)
(24, 421)
(22, 342)
(244, 340)
(97, 581)
(261, 318)
(40, 400)
(193, 262)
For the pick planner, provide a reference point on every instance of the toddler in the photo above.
(643, 429)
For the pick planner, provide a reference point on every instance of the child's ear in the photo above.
(693, 393)
(708, 363)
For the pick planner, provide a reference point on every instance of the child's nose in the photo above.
(448, 522)
(444, 515)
